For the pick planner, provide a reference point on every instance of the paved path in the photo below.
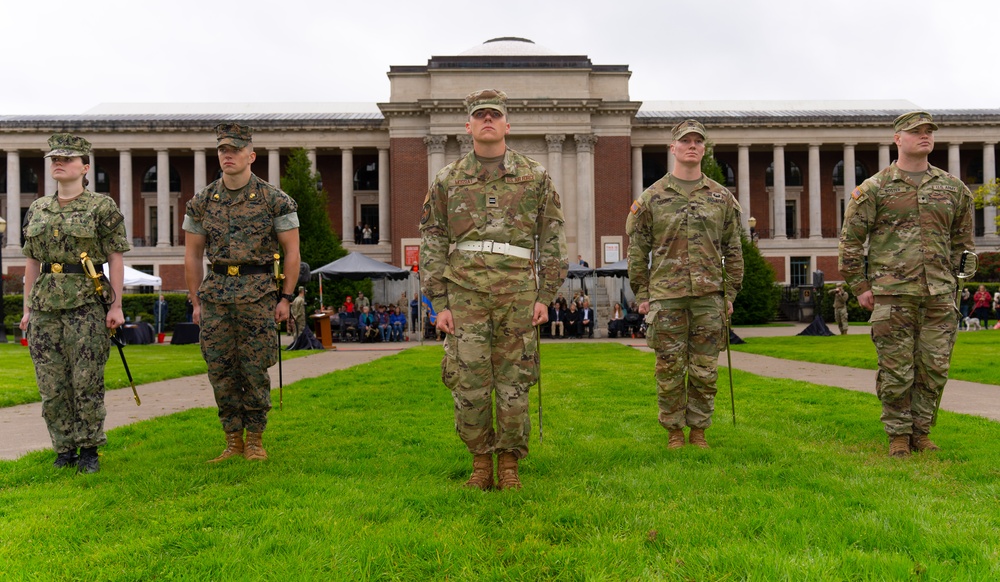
(22, 429)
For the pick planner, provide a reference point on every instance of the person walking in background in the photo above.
(68, 319)
(917, 221)
(840, 297)
(160, 313)
(690, 224)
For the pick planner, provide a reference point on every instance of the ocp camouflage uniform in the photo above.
(916, 234)
(688, 236)
(298, 320)
(69, 341)
(840, 309)
(238, 335)
(491, 296)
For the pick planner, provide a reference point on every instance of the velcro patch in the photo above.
(945, 187)
(519, 179)
(636, 207)
(856, 194)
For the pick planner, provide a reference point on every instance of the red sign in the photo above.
(411, 255)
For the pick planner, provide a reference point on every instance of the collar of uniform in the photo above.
(474, 168)
(220, 186)
(53, 202)
(899, 175)
(674, 184)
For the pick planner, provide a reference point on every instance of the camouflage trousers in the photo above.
(493, 352)
(914, 337)
(69, 349)
(239, 344)
(840, 314)
(687, 336)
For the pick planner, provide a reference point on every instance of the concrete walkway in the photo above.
(22, 429)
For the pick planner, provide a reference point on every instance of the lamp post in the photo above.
(3, 326)
(752, 222)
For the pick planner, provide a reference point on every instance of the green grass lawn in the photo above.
(365, 483)
(972, 360)
(148, 363)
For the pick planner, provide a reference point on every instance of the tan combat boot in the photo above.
(254, 450)
(676, 438)
(899, 446)
(697, 438)
(482, 472)
(507, 472)
(234, 446)
(922, 442)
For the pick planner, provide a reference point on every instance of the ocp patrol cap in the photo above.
(913, 119)
(487, 99)
(68, 146)
(688, 126)
(233, 134)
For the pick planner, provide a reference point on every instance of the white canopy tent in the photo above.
(134, 278)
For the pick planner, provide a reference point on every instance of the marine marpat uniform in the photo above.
(491, 295)
(916, 235)
(238, 335)
(688, 235)
(69, 337)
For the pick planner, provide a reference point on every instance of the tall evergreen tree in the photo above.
(710, 166)
(758, 300)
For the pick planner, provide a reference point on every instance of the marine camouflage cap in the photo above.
(234, 134)
(68, 146)
(908, 121)
(688, 126)
(487, 99)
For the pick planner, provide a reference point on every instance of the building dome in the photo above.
(507, 46)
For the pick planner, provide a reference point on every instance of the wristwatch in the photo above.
(287, 296)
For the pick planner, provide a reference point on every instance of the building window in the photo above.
(799, 271)
(29, 180)
(793, 175)
(860, 173)
(727, 171)
(366, 177)
(103, 181)
(653, 168)
(149, 180)
(3, 180)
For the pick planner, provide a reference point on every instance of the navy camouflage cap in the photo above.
(688, 126)
(487, 99)
(68, 146)
(913, 119)
(233, 134)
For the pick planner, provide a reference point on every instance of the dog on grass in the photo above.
(971, 323)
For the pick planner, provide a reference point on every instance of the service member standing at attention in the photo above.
(840, 297)
(298, 314)
(689, 223)
(240, 222)
(68, 320)
(917, 221)
(492, 205)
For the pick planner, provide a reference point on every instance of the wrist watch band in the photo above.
(287, 296)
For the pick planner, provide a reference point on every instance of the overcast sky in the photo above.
(63, 57)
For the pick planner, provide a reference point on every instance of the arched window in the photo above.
(366, 177)
(860, 173)
(103, 180)
(727, 171)
(793, 175)
(149, 180)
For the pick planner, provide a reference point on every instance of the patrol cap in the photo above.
(688, 126)
(908, 121)
(233, 134)
(68, 146)
(487, 99)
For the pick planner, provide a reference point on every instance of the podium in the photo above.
(321, 326)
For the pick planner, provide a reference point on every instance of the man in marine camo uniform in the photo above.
(917, 220)
(241, 222)
(491, 205)
(689, 223)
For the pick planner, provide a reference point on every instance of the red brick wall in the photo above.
(829, 267)
(612, 190)
(173, 277)
(408, 179)
(778, 263)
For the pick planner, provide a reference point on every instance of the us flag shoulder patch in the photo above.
(636, 207)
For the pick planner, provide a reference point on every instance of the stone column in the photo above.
(815, 211)
(13, 199)
(465, 143)
(384, 239)
(636, 172)
(92, 173)
(585, 235)
(435, 154)
(274, 166)
(989, 174)
(200, 172)
(311, 155)
(743, 183)
(850, 181)
(347, 193)
(954, 159)
(555, 164)
(671, 159)
(163, 238)
(778, 197)
(50, 183)
(883, 156)
(125, 191)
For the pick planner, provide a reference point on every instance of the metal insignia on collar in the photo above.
(216, 197)
(252, 196)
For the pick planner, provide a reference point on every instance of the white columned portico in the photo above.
(779, 226)
(585, 237)
(954, 159)
(636, 172)
(125, 191)
(850, 173)
(671, 160)
(989, 174)
(815, 211)
(92, 173)
(50, 183)
(384, 238)
(200, 179)
(162, 198)
(743, 183)
(311, 156)
(883, 156)
(435, 154)
(274, 166)
(465, 144)
(13, 199)
(347, 193)
(554, 166)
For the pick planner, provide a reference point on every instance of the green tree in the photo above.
(757, 301)
(710, 166)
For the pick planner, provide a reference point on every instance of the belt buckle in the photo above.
(57, 267)
(487, 246)
(500, 248)
(233, 270)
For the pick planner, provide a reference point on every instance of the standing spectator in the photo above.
(981, 306)
(366, 235)
(840, 307)
(358, 231)
(297, 322)
(966, 303)
(362, 300)
(160, 313)
(188, 309)
(348, 305)
(414, 313)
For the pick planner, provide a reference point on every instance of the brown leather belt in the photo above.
(72, 268)
(238, 270)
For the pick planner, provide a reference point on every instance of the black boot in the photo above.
(65, 459)
(88, 461)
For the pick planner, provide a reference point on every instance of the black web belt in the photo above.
(73, 268)
(238, 270)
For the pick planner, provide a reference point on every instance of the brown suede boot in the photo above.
(482, 472)
(676, 438)
(697, 438)
(254, 450)
(899, 446)
(507, 472)
(922, 442)
(234, 446)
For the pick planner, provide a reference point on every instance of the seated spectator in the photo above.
(398, 322)
(587, 319)
(572, 321)
(384, 326)
(616, 325)
(368, 325)
(557, 320)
